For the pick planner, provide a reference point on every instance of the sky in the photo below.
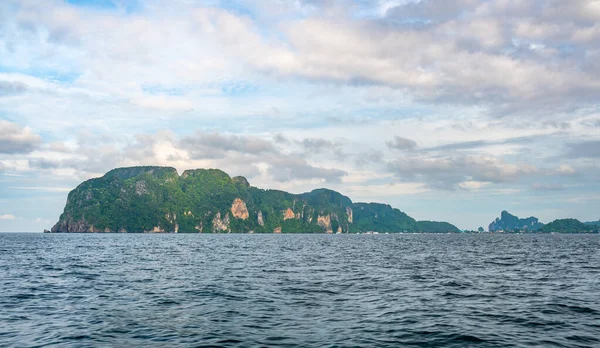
(449, 110)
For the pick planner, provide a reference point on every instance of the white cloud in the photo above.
(372, 192)
(7, 217)
(565, 169)
(450, 172)
(470, 53)
(474, 185)
(15, 139)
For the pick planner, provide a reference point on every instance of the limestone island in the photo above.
(508, 223)
(158, 199)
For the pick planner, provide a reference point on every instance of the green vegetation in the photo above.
(436, 227)
(142, 199)
(568, 226)
(593, 223)
(380, 218)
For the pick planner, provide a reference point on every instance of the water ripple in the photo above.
(75, 290)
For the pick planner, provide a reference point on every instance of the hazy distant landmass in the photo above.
(569, 226)
(511, 223)
(158, 199)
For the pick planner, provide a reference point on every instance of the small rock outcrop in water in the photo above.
(158, 199)
(509, 222)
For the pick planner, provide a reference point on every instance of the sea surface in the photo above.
(168, 290)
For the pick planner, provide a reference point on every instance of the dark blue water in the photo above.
(84, 290)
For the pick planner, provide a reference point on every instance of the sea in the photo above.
(299, 290)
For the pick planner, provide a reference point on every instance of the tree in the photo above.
(480, 229)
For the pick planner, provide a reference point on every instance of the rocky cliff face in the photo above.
(325, 222)
(221, 225)
(68, 224)
(259, 219)
(239, 209)
(509, 222)
(157, 199)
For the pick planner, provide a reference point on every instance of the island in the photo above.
(569, 226)
(511, 223)
(508, 223)
(158, 199)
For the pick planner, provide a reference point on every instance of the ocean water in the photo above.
(98, 290)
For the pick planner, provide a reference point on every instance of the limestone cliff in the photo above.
(325, 222)
(259, 219)
(239, 209)
(220, 225)
(288, 214)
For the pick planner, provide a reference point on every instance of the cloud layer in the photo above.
(414, 103)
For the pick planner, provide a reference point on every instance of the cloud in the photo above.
(466, 52)
(288, 168)
(280, 139)
(565, 169)
(400, 143)
(44, 163)
(15, 139)
(239, 150)
(535, 58)
(584, 149)
(449, 172)
(7, 217)
(58, 147)
(164, 103)
(430, 10)
(251, 156)
(480, 144)
(8, 88)
(547, 187)
(473, 185)
(484, 96)
(369, 157)
(317, 145)
(215, 145)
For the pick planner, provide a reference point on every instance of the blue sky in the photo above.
(448, 110)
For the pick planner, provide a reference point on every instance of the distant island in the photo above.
(512, 224)
(509, 222)
(158, 199)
